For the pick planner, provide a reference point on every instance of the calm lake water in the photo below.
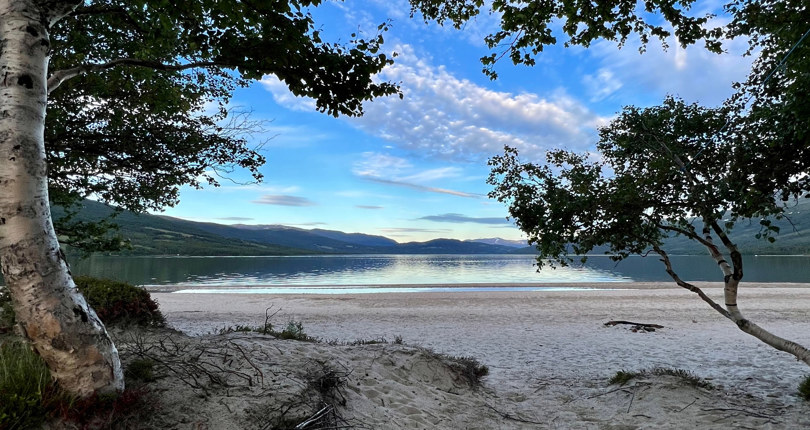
(382, 270)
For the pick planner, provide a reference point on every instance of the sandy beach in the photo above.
(549, 353)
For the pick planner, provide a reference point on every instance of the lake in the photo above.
(414, 270)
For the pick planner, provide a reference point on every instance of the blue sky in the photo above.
(415, 169)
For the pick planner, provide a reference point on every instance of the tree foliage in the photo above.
(527, 27)
(139, 91)
(684, 169)
(636, 194)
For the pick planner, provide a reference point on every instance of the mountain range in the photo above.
(163, 235)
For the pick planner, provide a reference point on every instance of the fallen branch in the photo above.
(636, 326)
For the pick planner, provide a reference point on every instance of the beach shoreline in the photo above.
(482, 285)
(546, 346)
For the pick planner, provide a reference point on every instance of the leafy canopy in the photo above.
(139, 91)
(680, 168)
(527, 27)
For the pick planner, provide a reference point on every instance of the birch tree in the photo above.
(45, 46)
(649, 185)
(672, 169)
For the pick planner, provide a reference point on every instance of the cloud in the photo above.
(283, 200)
(692, 73)
(284, 97)
(602, 84)
(404, 230)
(459, 218)
(442, 115)
(390, 170)
(368, 207)
(422, 187)
(455, 119)
(235, 218)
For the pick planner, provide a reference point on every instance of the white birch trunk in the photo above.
(54, 316)
(732, 284)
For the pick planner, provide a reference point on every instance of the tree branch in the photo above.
(58, 77)
(687, 233)
(688, 286)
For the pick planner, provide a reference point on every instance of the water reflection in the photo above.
(420, 270)
(336, 270)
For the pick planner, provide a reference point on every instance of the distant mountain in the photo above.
(501, 242)
(286, 236)
(793, 237)
(356, 238)
(163, 235)
(450, 246)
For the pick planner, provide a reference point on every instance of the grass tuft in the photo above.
(622, 377)
(141, 370)
(26, 387)
(804, 389)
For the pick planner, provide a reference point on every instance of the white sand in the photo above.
(549, 355)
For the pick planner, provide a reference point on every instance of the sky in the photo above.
(415, 169)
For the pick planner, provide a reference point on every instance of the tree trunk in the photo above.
(732, 275)
(51, 312)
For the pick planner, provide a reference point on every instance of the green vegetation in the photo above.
(293, 330)
(7, 319)
(28, 394)
(804, 388)
(622, 377)
(140, 370)
(153, 110)
(26, 388)
(119, 303)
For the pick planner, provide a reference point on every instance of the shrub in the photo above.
(804, 389)
(129, 409)
(120, 303)
(6, 311)
(26, 387)
(141, 370)
(294, 330)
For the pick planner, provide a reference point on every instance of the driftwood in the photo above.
(636, 326)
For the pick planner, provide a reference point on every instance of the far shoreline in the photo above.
(484, 286)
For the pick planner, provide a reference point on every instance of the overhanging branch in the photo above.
(58, 77)
(665, 259)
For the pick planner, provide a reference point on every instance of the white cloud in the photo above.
(692, 73)
(284, 200)
(602, 84)
(390, 170)
(456, 119)
(442, 115)
(284, 97)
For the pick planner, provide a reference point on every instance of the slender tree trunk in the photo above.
(52, 314)
(732, 275)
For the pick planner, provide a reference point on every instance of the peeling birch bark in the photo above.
(51, 312)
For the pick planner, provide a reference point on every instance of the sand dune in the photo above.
(549, 354)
